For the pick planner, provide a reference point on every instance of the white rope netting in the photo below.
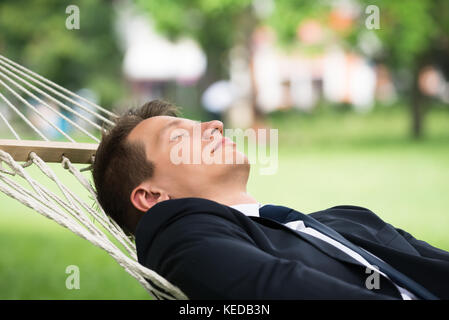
(28, 95)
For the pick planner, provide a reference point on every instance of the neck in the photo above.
(229, 195)
(233, 198)
(231, 190)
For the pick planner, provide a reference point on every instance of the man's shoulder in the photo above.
(184, 210)
(348, 213)
(356, 220)
(177, 221)
(167, 212)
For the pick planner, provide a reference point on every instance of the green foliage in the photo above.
(290, 13)
(195, 17)
(34, 34)
(408, 28)
(411, 35)
(215, 24)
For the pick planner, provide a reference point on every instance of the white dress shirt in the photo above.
(252, 209)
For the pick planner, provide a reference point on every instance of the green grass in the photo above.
(325, 159)
(407, 188)
(36, 251)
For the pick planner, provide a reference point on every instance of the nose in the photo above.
(212, 127)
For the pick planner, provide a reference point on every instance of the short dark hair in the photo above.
(120, 165)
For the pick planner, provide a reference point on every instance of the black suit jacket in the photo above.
(212, 251)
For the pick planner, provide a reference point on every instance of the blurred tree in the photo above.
(412, 34)
(217, 25)
(34, 34)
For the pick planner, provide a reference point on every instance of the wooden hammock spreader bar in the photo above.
(49, 151)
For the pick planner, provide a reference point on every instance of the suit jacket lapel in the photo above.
(321, 245)
(282, 215)
(397, 276)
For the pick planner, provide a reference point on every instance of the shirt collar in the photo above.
(248, 209)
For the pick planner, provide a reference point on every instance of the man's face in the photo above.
(189, 156)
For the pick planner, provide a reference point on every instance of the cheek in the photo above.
(179, 153)
(189, 179)
(181, 165)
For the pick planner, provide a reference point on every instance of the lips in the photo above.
(222, 142)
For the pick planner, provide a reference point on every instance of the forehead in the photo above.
(149, 128)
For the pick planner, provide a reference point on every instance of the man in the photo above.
(196, 225)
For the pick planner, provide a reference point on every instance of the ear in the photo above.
(144, 196)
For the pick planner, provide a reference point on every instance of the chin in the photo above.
(240, 162)
(233, 172)
(241, 159)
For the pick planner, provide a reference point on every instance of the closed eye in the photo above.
(176, 135)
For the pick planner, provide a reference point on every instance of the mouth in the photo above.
(222, 142)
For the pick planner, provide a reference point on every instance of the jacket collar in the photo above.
(166, 212)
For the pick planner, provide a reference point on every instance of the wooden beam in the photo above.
(49, 151)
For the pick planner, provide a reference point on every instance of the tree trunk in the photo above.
(417, 98)
(416, 109)
(247, 24)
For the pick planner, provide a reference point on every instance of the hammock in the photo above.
(29, 97)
